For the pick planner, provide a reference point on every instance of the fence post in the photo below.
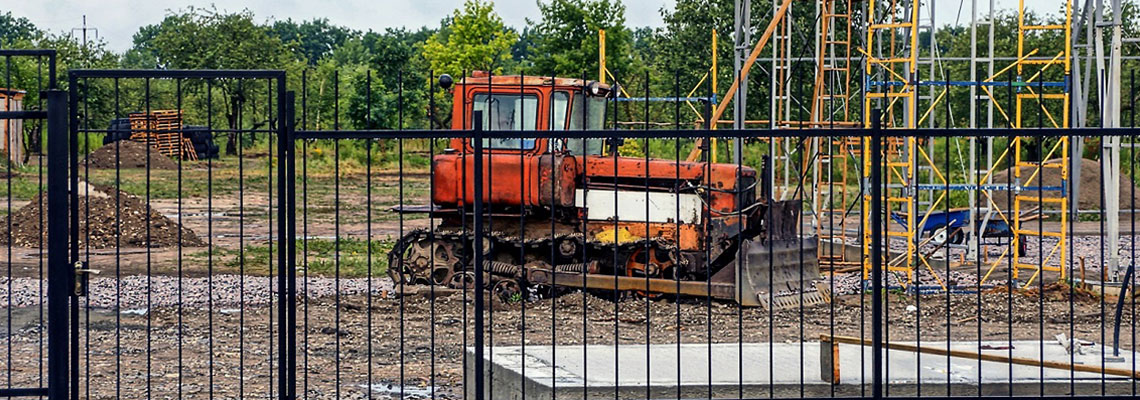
(286, 245)
(876, 255)
(60, 274)
(70, 162)
(477, 142)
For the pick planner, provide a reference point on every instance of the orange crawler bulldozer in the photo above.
(565, 213)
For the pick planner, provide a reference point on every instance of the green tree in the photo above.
(14, 30)
(684, 46)
(399, 76)
(474, 38)
(312, 40)
(566, 38)
(207, 39)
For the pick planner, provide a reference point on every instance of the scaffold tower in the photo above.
(1049, 102)
(891, 84)
(817, 169)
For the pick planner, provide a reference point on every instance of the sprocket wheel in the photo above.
(424, 261)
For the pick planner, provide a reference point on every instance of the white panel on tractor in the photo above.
(629, 206)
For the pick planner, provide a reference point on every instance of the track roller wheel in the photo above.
(651, 262)
(462, 280)
(508, 290)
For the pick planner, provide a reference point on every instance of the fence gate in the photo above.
(182, 260)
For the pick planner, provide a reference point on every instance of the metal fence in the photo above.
(37, 110)
(221, 246)
(184, 277)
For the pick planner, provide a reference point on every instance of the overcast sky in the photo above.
(118, 20)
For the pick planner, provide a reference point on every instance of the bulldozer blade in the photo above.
(794, 300)
(774, 274)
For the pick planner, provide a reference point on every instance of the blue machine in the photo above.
(956, 221)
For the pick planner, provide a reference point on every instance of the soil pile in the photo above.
(131, 155)
(98, 227)
(1090, 196)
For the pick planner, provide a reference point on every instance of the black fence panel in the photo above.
(30, 109)
(232, 239)
(178, 207)
(529, 257)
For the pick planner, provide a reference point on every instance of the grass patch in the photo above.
(22, 182)
(223, 175)
(319, 255)
(21, 188)
(353, 261)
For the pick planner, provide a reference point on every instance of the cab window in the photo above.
(585, 147)
(507, 112)
(593, 111)
(560, 104)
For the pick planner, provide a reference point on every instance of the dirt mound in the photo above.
(131, 155)
(97, 222)
(1090, 196)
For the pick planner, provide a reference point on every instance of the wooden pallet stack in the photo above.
(162, 129)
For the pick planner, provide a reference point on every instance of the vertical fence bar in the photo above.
(400, 171)
(477, 141)
(368, 223)
(59, 274)
(305, 233)
(209, 236)
(286, 273)
(8, 127)
(876, 256)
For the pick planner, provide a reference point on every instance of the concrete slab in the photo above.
(782, 369)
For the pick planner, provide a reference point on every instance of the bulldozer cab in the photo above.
(528, 103)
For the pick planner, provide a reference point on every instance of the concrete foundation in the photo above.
(755, 370)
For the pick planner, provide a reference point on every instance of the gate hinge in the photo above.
(81, 277)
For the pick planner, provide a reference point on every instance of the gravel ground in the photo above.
(1083, 250)
(345, 343)
(227, 290)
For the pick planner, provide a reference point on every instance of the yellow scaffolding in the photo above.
(891, 57)
(897, 53)
(886, 54)
(831, 107)
(831, 95)
(1032, 195)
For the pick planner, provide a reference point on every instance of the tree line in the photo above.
(383, 78)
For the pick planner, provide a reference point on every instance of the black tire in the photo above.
(958, 237)
(205, 148)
